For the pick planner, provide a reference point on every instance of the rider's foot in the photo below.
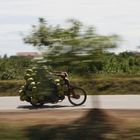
(76, 96)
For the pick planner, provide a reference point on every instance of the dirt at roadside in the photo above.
(41, 116)
(67, 116)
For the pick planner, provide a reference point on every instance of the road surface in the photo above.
(100, 101)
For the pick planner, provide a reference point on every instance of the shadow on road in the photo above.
(95, 125)
(30, 107)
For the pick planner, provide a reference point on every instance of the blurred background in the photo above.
(96, 42)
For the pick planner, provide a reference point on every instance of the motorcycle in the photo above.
(76, 95)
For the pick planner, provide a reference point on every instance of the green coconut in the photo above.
(22, 87)
(32, 84)
(33, 75)
(20, 92)
(41, 98)
(23, 97)
(29, 80)
(29, 71)
(34, 100)
(27, 76)
(38, 85)
(34, 68)
(34, 89)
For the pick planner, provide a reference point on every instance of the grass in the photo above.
(93, 85)
(12, 132)
(111, 85)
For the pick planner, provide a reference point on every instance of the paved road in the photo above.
(101, 101)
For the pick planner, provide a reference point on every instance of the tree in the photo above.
(76, 38)
(75, 42)
(5, 56)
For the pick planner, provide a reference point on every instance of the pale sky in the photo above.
(121, 17)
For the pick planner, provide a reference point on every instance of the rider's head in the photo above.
(65, 73)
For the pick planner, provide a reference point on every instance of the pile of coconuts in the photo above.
(39, 85)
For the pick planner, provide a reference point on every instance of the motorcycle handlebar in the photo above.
(60, 73)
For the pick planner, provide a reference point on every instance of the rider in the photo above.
(64, 75)
(62, 84)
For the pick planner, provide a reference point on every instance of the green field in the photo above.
(93, 85)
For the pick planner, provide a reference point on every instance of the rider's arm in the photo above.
(60, 73)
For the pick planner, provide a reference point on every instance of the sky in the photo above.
(108, 16)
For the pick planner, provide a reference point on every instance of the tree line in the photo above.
(13, 67)
(98, 63)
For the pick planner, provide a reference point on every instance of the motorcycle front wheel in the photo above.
(77, 96)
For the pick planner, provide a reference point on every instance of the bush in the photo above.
(10, 87)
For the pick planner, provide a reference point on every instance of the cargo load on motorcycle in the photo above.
(44, 86)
